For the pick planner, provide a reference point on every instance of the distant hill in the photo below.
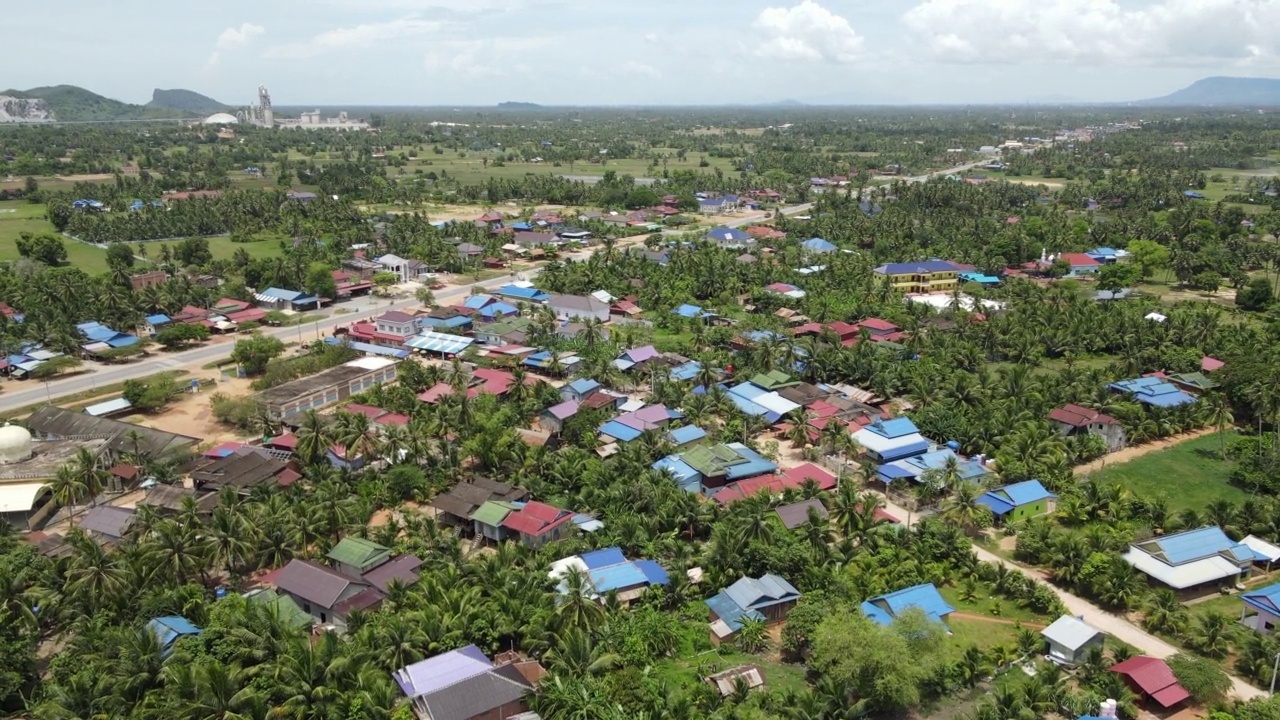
(518, 106)
(1229, 91)
(70, 103)
(185, 101)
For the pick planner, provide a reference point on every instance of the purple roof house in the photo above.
(630, 358)
(552, 419)
(463, 684)
(628, 426)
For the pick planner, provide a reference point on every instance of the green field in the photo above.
(1188, 475)
(684, 671)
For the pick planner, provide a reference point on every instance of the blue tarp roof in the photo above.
(885, 608)
(370, 349)
(689, 311)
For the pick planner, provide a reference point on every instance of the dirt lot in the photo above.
(192, 416)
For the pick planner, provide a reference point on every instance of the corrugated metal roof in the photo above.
(616, 577)
(885, 608)
(1070, 632)
(358, 552)
(597, 559)
(108, 407)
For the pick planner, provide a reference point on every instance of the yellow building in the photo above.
(929, 276)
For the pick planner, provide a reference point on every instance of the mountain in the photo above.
(1230, 91)
(185, 101)
(510, 105)
(69, 103)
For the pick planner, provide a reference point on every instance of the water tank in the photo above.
(15, 444)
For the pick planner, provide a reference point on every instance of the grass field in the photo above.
(684, 671)
(26, 217)
(1188, 475)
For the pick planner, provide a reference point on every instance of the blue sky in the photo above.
(593, 52)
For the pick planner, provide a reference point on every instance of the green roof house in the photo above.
(1196, 382)
(774, 380)
(357, 556)
(283, 607)
(487, 520)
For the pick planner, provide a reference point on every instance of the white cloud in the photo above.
(807, 32)
(486, 58)
(633, 67)
(233, 38)
(1099, 32)
(356, 36)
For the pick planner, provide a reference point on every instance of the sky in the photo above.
(646, 52)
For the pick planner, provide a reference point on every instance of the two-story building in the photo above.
(928, 276)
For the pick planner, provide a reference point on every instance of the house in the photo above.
(394, 264)
(357, 556)
(884, 609)
(465, 684)
(539, 240)
(608, 571)
(1154, 391)
(579, 389)
(397, 324)
(169, 629)
(818, 246)
(888, 440)
(631, 425)
(509, 331)
(768, 599)
(536, 523)
(403, 569)
(1072, 420)
(142, 281)
(1194, 382)
(785, 290)
(1200, 559)
(1209, 364)
(793, 479)
(1152, 678)
(1070, 640)
(1019, 500)
(567, 307)
(301, 196)
(686, 435)
(467, 251)
(918, 467)
(796, 514)
(727, 237)
(1107, 256)
(706, 467)
(280, 299)
(326, 388)
(929, 276)
(456, 507)
(636, 357)
(327, 595)
(107, 523)
(522, 293)
(1081, 264)
(553, 418)
(1261, 611)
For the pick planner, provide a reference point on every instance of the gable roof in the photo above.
(797, 514)
(536, 519)
(60, 422)
(108, 521)
(1003, 500)
(766, 591)
(911, 268)
(1070, 632)
(314, 583)
(403, 569)
(884, 609)
(1154, 677)
(1266, 599)
(1079, 416)
(358, 552)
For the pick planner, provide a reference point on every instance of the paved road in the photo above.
(937, 173)
(1108, 622)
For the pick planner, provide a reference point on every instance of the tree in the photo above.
(1117, 276)
(1205, 679)
(150, 394)
(193, 251)
(425, 296)
(1256, 294)
(119, 256)
(872, 662)
(253, 353)
(1148, 256)
(179, 335)
(47, 249)
(320, 282)
(383, 280)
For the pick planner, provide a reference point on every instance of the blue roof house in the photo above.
(155, 323)
(914, 468)
(518, 292)
(886, 608)
(1204, 558)
(889, 440)
(729, 237)
(169, 629)
(609, 571)
(691, 312)
(1153, 391)
(769, 599)
(1261, 611)
(1019, 500)
(579, 389)
(818, 245)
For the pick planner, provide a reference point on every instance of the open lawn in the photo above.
(473, 169)
(1188, 475)
(684, 671)
(17, 217)
(223, 249)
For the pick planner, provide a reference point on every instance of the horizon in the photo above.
(572, 53)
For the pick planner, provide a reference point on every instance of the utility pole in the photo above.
(1274, 667)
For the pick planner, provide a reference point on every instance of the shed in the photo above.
(1070, 639)
(1153, 678)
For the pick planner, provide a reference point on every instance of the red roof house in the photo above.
(1209, 364)
(537, 523)
(1152, 678)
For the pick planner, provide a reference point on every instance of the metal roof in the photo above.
(1154, 677)
(358, 552)
(686, 434)
(108, 521)
(1070, 632)
(597, 559)
(1003, 500)
(439, 342)
(797, 514)
(885, 608)
(491, 513)
(109, 407)
(1266, 599)
(441, 671)
(616, 577)
(766, 591)
(169, 628)
(368, 349)
(314, 583)
(1265, 551)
